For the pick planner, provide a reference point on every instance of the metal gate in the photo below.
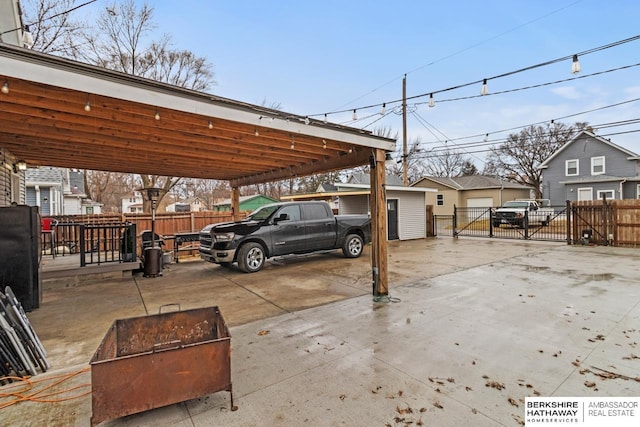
(481, 222)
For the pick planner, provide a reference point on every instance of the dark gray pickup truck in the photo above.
(283, 229)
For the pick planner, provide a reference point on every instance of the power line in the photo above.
(50, 17)
(486, 79)
(517, 27)
(542, 122)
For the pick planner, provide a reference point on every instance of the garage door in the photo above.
(480, 202)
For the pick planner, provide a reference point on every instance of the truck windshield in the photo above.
(516, 205)
(262, 213)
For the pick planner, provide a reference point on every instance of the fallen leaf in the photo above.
(343, 396)
(494, 384)
(589, 384)
(451, 380)
(422, 410)
(513, 402)
(261, 333)
(438, 405)
(474, 410)
(467, 388)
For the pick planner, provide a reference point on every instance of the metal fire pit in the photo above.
(157, 360)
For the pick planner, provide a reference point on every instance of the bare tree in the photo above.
(107, 188)
(445, 163)
(53, 30)
(121, 42)
(520, 156)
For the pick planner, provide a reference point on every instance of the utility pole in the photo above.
(405, 178)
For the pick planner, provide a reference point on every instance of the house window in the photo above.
(597, 165)
(638, 191)
(440, 199)
(571, 167)
(610, 194)
(585, 193)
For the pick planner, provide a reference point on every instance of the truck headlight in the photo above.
(223, 237)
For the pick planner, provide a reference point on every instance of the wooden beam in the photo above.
(379, 233)
(235, 203)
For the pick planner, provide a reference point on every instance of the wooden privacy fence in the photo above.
(606, 222)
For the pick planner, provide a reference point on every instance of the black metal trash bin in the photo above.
(152, 265)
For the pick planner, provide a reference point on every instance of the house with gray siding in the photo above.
(58, 191)
(590, 167)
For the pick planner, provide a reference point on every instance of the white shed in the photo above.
(406, 208)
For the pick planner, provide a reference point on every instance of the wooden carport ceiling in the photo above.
(44, 122)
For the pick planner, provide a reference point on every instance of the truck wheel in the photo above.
(353, 246)
(251, 257)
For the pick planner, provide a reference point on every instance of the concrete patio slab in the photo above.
(472, 328)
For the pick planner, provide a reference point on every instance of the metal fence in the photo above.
(483, 222)
(107, 243)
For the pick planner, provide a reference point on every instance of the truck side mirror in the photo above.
(281, 217)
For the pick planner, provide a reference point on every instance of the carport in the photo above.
(57, 112)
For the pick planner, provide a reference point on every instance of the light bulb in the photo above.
(325, 117)
(324, 144)
(293, 145)
(157, 116)
(432, 102)
(255, 131)
(87, 106)
(485, 89)
(210, 124)
(355, 115)
(5, 88)
(384, 109)
(306, 120)
(575, 66)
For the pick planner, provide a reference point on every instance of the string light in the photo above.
(325, 117)
(5, 87)
(157, 115)
(384, 108)
(510, 73)
(324, 144)
(306, 120)
(87, 106)
(255, 131)
(485, 89)
(210, 124)
(355, 115)
(293, 144)
(575, 66)
(432, 102)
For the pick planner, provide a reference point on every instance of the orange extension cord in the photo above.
(26, 389)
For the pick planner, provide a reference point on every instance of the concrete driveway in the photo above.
(473, 326)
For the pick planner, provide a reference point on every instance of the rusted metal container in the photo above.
(152, 361)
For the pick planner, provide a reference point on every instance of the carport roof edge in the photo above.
(322, 146)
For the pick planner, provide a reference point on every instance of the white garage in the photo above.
(480, 202)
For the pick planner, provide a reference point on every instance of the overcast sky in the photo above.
(316, 57)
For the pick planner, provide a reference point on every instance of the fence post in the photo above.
(526, 224)
(490, 222)
(83, 261)
(568, 214)
(455, 222)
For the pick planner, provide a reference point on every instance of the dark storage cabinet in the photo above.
(20, 253)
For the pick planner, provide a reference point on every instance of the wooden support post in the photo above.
(379, 225)
(235, 203)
